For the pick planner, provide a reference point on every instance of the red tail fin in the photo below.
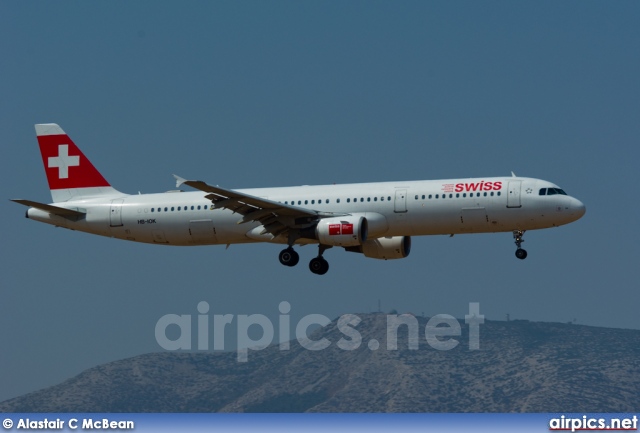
(69, 173)
(65, 165)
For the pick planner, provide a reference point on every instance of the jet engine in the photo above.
(342, 231)
(397, 247)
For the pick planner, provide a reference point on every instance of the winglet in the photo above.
(179, 180)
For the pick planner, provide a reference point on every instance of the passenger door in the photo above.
(513, 195)
(400, 204)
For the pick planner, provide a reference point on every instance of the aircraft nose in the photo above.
(578, 208)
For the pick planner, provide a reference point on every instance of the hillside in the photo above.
(521, 367)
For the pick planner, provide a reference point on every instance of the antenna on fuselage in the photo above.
(513, 174)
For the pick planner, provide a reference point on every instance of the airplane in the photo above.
(373, 219)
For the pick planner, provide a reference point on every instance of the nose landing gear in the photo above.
(520, 252)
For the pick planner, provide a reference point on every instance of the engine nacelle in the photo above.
(377, 225)
(397, 247)
(342, 231)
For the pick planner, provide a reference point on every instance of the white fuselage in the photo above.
(408, 208)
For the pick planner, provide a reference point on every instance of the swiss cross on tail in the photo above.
(63, 161)
(65, 165)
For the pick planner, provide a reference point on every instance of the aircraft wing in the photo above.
(277, 218)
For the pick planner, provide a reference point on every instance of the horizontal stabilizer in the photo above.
(55, 210)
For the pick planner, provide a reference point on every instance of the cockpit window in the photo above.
(552, 191)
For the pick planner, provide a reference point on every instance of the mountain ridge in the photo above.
(521, 366)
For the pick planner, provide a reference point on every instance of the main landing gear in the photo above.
(317, 265)
(520, 253)
(289, 257)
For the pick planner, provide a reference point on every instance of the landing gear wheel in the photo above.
(289, 257)
(520, 253)
(318, 266)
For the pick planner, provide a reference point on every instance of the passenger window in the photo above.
(437, 196)
(337, 200)
(429, 196)
(368, 198)
(361, 199)
(313, 202)
(389, 198)
(416, 196)
(165, 209)
(327, 201)
(450, 195)
(491, 193)
(348, 200)
(485, 194)
(152, 209)
(498, 192)
(458, 195)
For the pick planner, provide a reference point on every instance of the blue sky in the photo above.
(250, 94)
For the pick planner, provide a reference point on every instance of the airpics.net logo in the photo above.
(441, 331)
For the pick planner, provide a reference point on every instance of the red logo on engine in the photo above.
(340, 229)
